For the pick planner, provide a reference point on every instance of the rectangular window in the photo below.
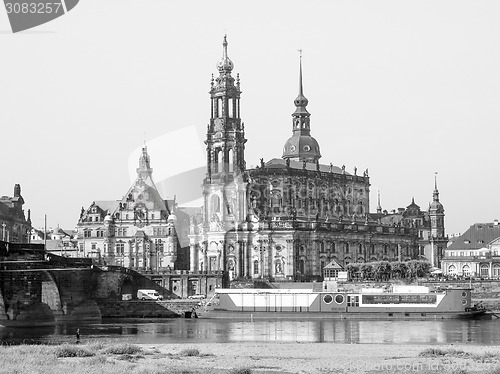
(352, 300)
(94, 246)
(120, 248)
(87, 233)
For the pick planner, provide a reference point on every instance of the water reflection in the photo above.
(210, 331)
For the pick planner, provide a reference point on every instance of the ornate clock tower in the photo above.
(223, 188)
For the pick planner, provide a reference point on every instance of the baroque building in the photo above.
(289, 217)
(13, 223)
(475, 253)
(140, 231)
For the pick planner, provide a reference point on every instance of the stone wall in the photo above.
(145, 309)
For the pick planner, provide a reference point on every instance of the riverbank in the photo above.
(249, 358)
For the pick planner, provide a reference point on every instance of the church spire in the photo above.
(435, 194)
(225, 65)
(144, 170)
(379, 207)
(301, 145)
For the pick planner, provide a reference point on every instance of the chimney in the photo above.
(495, 222)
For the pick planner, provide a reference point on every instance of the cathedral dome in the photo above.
(303, 147)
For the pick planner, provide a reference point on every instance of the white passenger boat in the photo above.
(399, 302)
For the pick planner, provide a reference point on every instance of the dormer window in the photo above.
(94, 209)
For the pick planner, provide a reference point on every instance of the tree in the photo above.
(399, 269)
(382, 270)
(366, 270)
(353, 270)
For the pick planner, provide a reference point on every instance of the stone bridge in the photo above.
(37, 287)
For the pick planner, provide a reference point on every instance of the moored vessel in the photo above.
(397, 302)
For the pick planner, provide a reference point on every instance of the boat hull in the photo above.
(242, 316)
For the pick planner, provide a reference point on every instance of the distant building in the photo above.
(140, 231)
(14, 226)
(57, 241)
(432, 240)
(475, 253)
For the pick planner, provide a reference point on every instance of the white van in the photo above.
(148, 295)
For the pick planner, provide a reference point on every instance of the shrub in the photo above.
(190, 352)
(72, 351)
(241, 371)
(123, 349)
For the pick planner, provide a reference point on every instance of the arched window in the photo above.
(360, 248)
(452, 269)
(230, 158)
(496, 270)
(484, 270)
(466, 270)
(301, 266)
(219, 107)
(230, 107)
(346, 247)
(256, 267)
(333, 247)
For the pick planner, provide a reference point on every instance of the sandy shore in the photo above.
(324, 358)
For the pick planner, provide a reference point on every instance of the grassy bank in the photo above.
(247, 358)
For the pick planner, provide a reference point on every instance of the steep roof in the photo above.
(333, 265)
(477, 236)
(107, 205)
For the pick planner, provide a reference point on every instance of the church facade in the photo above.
(289, 217)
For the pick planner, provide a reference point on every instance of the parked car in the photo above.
(196, 296)
(148, 295)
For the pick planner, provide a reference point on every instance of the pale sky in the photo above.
(403, 88)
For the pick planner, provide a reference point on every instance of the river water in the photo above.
(179, 330)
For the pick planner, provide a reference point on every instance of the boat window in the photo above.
(352, 300)
(339, 299)
(464, 302)
(328, 299)
(464, 294)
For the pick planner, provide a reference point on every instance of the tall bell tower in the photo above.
(225, 133)
(224, 190)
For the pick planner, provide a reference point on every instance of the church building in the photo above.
(291, 216)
